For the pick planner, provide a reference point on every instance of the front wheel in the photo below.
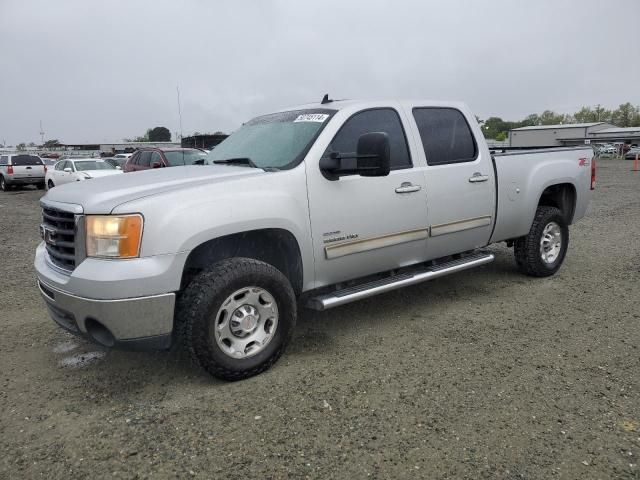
(541, 252)
(236, 318)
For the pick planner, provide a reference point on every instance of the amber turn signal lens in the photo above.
(114, 236)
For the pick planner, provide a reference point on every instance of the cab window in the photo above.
(374, 120)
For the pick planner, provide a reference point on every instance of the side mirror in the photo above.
(372, 158)
(374, 154)
(156, 165)
(68, 170)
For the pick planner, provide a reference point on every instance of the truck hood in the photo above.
(102, 195)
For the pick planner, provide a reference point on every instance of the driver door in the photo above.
(364, 225)
(62, 176)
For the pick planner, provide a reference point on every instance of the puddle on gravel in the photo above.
(81, 360)
(64, 347)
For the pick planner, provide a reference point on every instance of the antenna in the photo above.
(179, 111)
(326, 99)
(41, 134)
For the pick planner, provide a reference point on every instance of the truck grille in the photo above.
(58, 232)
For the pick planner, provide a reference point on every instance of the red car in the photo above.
(152, 157)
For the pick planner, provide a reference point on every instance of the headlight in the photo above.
(114, 236)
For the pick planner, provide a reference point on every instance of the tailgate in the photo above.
(25, 166)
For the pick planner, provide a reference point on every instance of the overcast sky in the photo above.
(97, 71)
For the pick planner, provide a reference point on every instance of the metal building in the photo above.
(556, 135)
(629, 135)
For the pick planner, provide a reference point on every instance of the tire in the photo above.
(205, 310)
(534, 252)
(4, 186)
(50, 185)
(40, 186)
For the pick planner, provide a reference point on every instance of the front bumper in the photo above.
(141, 323)
(124, 304)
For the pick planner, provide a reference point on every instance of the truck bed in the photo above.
(523, 176)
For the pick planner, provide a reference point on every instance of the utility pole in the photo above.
(41, 134)
(179, 111)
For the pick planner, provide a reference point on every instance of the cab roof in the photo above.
(352, 104)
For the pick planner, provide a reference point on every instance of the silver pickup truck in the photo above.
(316, 206)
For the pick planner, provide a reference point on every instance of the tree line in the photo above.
(626, 115)
(157, 134)
(160, 134)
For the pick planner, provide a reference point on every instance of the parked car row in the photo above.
(628, 151)
(26, 169)
(631, 154)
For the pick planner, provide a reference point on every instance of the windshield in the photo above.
(116, 162)
(93, 165)
(184, 157)
(273, 141)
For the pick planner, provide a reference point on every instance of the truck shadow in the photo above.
(120, 373)
(316, 331)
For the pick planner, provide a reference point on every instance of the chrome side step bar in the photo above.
(369, 289)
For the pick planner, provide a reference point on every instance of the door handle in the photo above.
(478, 177)
(407, 187)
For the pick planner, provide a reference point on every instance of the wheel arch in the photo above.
(562, 196)
(275, 246)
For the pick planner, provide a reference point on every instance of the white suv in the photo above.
(21, 169)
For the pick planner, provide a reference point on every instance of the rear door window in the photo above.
(25, 160)
(446, 135)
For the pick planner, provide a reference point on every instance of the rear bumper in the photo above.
(23, 180)
(141, 323)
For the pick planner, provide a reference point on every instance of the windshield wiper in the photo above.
(237, 161)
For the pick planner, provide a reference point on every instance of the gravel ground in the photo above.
(485, 374)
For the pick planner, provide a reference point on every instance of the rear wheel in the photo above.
(541, 252)
(41, 186)
(3, 184)
(236, 318)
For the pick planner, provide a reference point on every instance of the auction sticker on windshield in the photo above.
(312, 117)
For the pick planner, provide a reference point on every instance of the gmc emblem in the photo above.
(48, 235)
